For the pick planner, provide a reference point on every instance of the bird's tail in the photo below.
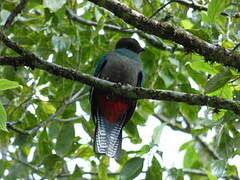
(108, 136)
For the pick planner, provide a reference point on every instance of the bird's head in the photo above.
(129, 43)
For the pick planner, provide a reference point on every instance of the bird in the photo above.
(111, 112)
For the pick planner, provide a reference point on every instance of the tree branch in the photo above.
(188, 131)
(170, 32)
(191, 4)
(156, 43)
(58, 112)
(14, 13)
(31, 60)
(124, 90)
(27, 164)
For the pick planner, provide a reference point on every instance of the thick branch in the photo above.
(31, 60)
(126, 90)
(170, 32)
(156, 43)
(14, 13)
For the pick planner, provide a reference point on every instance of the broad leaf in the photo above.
(215, 7)
(54, 5)
(154, 171)
(6, 84)
(132, 169)
(157, 133)
(218, 81)
(65, 139)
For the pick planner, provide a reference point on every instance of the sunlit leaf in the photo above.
(6, 84)
(186, 24)
(54, 5)
(48, 108)
(211, 176)
(203, 66)
(157, 133)
(215, 7)
(3, 118)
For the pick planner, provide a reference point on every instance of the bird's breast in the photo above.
(120, 69)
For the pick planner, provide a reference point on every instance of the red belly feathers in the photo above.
(112, 108)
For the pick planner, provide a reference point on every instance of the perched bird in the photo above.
(109, 111)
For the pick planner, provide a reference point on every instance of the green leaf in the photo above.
(186, 145)
(145, 149)
(189, 111)
(65, 139)
(186, 24)
(198, 77)
(85, 152)
(218, 81)
(218, 168)
(227, 44)
(175, 174)
(165, 74)
(154, 171)
(211, 176)
(132, 131)
(6, 84)
(103, 168)
(157, 133)
(53, 164)
(77, 174)
(225, 144)
(215, 7)
(54, 5)
(203, 66)
(202, 33)
(48, 108)
(190, 158)
(3, 118)
(132, 168)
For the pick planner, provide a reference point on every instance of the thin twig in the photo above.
(68, 119)
(149, 38)
(20, 131)
(57, 113)
(236, 47)
(161, 8)
(212, 53)
(193, 5)
(213, 153)
(14, 13)
(188, 131)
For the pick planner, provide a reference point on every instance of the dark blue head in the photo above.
(129, 43)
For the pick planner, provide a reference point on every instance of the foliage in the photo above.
(48, 127)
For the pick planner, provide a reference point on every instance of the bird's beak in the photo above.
(142, 49)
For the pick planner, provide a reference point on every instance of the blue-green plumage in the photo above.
(111, 112)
